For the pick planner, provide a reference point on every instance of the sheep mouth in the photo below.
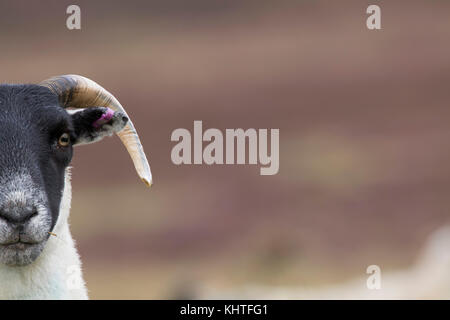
(20, 253)
(19, 245)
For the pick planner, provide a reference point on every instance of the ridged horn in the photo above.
(79, 92)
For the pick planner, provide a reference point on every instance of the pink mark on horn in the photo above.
(103, 119)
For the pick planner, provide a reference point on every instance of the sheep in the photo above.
(39, 126)
(427, 278)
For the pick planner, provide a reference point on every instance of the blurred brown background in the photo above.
(363, 116)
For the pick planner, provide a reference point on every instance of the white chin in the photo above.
(20, 254)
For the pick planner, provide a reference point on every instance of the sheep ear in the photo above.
(93, 124)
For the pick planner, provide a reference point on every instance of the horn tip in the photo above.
(147, 182)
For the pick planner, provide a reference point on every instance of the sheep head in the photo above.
(39, 126)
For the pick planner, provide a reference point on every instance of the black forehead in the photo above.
(31, 104)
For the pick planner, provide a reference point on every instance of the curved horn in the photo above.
(79, 92)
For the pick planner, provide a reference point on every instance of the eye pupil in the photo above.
(64, 140)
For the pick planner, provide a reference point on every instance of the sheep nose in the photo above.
(18, 216)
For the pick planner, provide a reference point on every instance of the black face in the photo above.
(33, 159)
(36, 140)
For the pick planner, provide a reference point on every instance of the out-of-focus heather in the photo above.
(363, 117)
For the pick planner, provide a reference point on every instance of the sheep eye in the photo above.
(64, 140)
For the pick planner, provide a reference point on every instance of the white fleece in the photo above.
(56, 273)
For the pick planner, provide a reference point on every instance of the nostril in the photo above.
(28, 215)
(34, 214)
(18, 217)
(4, 217)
